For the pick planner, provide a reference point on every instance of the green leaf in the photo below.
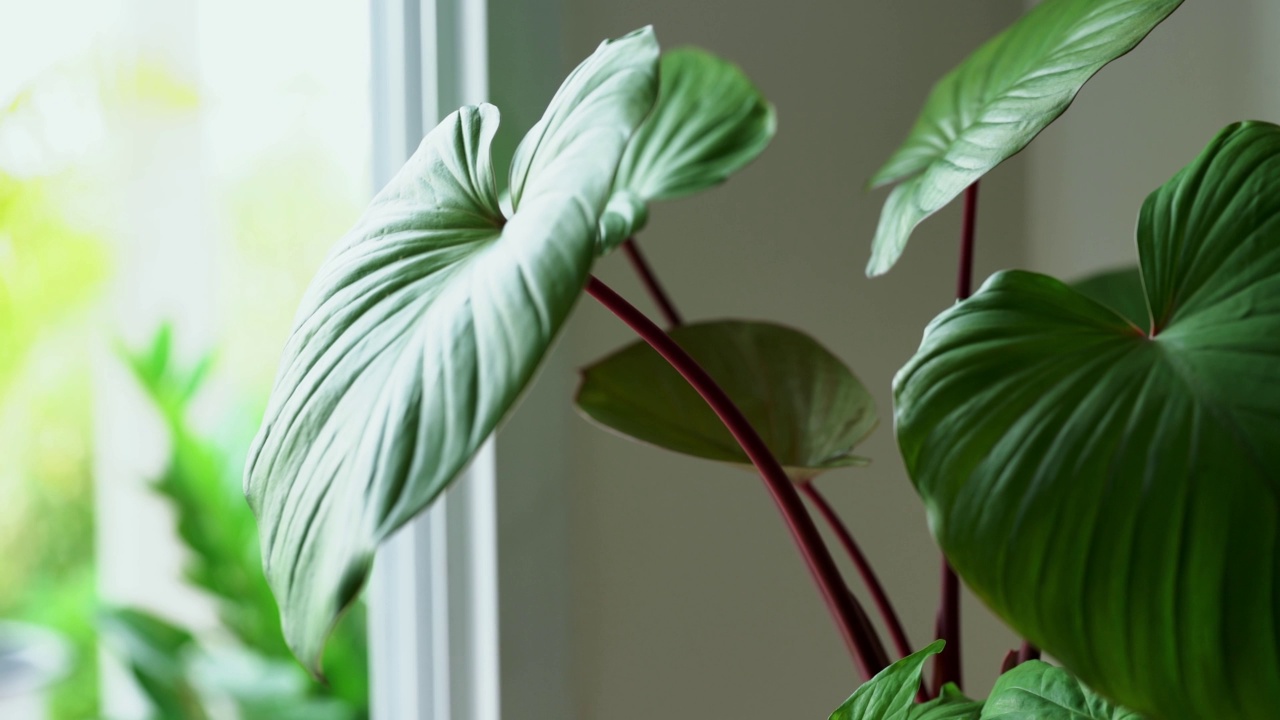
(951, 704)
(996, 102)
(1038, 691)
(1121, 290)
(155, 650)
(708, 123)
(423, 326)
(1115, 494)
(806, 404)
(891, 693)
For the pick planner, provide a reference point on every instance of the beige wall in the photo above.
(1138, 122)
(688, 598)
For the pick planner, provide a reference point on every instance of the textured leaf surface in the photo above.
(709, 122)
(996, 102)
(890, 694)
(1038, 691)
(423, 325)
(1114, 494)
(1122, 291)
(806, 404)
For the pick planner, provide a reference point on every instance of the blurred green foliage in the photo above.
(176, 670)
(49, 271)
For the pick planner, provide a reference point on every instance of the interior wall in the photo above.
(688, 597)
(1139, 122)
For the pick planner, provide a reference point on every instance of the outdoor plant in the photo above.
(1105, 479)
(181, 675)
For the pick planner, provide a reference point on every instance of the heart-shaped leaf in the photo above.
(996, 102)
(1115, 494)
(808, 406)
(1121, 290)
(889, 695)
(423, 326)
(708, 123)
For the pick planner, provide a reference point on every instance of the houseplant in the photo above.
(429, 318)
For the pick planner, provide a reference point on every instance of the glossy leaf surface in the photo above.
(997, 101)
(1114, 494)
(891, 693)
(806, 404)
(708, 123)
(1038, 691)
(422, 327)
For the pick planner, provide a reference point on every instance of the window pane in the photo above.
(171, 174)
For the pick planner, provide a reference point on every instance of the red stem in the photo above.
(1028, 652)
(887, 612)
(651, 283)
(844, 607)
(964, 277)
(947, 667)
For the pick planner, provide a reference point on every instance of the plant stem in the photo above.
(843, 605)
(1028, 652)
(968, 236)
(651, 283)
(887, 612)
(947, 667)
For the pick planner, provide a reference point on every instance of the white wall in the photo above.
(688, 597)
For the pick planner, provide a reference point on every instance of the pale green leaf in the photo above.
(997, 101)
(708, 123)
(423, 326)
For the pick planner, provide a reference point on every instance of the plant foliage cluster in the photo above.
(1099, 463)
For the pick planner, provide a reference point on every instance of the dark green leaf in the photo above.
(808, 406)
(1038, 691)
(997, 101)
(1115, 494)
(891, 693)
(1122, 291)
(422, 328)
(709, 122)
(951, 704)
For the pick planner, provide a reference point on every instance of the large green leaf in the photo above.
(808, 406)
(423, 326)
(709, 122)
(1038, 691)
(1115, 494)
(997, 101)
(891, 694)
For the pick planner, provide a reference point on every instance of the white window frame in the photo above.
(444, 645)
